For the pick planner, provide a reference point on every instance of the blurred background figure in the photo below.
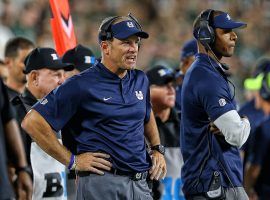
(16, 51)
(257, 173)
(3, 71)
(252, 108)
(187, 56)
(81, 57)
(168, 22)
(44, 72)
(12, 150)
(162, 93)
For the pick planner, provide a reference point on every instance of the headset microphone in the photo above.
(225, 66)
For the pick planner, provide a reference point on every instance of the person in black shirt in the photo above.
(11, 145)
(162, 94)
(16, 51)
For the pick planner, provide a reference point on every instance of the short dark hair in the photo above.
(15, 44)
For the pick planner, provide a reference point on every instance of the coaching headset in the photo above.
(106, 31)
(206, 33)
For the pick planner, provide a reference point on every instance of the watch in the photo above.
(24, 169)
(160, 148)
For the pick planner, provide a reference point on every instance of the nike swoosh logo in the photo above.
(106, 99)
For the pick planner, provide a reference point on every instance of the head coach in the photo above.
(108, 108)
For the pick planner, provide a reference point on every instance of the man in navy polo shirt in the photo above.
(211, 129)
(108, 108)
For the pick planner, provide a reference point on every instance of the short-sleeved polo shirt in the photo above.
(206, 96)
(105, 113)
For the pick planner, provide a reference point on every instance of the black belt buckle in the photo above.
(139, 176)
(135, 176)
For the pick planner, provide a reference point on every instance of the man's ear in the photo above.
(33, 77)
(105, 47)
(8, 61)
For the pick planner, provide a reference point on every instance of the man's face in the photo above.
(48, 79)
(186, 63)
(3, 72)
(123, 53)
(16, 66)
(225, 42)
(163, 96)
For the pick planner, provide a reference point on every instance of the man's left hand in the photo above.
(24, 186)
(158, 169)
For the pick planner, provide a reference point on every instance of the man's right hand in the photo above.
(214, 129)
(93, 162)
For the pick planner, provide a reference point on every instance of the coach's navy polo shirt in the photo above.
(106, 113)
(206, 96)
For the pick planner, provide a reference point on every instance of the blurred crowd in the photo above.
(168, 22)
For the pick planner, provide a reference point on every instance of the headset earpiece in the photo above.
(225, 66)
(206, 34)
(265, 90)
(137, 24)
(105, 30)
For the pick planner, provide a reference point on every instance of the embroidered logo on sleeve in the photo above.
(44, 101)
(139, 95)
(222, 102)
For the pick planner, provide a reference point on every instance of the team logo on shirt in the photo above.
(222, 102)
(44, 101)
(139, 95)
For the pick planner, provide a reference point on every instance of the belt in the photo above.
(135, 176)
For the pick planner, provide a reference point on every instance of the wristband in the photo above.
(26, 169)
(71, 162)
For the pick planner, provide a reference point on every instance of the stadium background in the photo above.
(169, 23)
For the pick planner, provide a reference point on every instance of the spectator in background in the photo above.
(16, 51)
(162, 94)
(252, 109)
(11, 145)
(27, 22)
(257, 173)
(3, 71)
(81, 57)
(44, 72)
(187, 56)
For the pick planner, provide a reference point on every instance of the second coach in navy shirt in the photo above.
(108, 108)
(211, 129)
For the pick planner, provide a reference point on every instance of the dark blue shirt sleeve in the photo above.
(214, 94)
(60, 104)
